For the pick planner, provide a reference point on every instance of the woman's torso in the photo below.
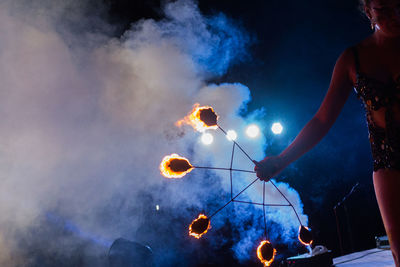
(377, 84)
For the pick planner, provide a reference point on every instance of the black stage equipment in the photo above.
(382, 242)
(125, 253)
(306, 260)
(340, 203)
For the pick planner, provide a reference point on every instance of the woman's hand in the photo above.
(268, 167)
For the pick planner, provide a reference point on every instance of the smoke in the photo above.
(87, 118)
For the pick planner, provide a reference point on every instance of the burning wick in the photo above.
(266, 253)
(201, 118)
(199, 226)
(305, 235)
(208, 116)
(175, 166)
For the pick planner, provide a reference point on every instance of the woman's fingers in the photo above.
(262, 173)
(267, 168)
(255, 165)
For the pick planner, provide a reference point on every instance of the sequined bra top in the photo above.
(385, 142)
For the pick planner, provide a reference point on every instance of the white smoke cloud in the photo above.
(87, 118)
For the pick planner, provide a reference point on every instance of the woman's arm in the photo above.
(339, 90)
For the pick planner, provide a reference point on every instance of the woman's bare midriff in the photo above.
(378, 116)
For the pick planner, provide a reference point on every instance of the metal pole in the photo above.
(349, 232)
(247, 155)
(223, 169)
(233, 198)
(230, 172)
(338, 231)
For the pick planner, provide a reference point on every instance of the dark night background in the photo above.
(294, 47)
(292, 51)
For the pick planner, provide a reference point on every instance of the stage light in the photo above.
(277, 128)
(207, 138)
(157, 207)
(252, 131)
(231, 135)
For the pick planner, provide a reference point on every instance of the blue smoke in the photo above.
(215, 43)
(229, 45)
(71, 227)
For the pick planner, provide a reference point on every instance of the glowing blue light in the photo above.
(207, 138)
(277, 128)
(231, 135)
(252, 131)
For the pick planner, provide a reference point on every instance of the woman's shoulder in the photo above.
(350, 54)
(347, 63)
(347, 57)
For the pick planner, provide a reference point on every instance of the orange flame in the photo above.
(266, 250)
(200, 118)
(305, 236)
(199, 226)
(175, 166)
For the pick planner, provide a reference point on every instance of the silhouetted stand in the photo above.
(349, 231)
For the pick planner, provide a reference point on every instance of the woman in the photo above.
(372, 68)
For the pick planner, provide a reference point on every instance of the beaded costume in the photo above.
(385, 142)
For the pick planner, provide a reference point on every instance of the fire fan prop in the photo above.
(266, 253)
(174, 166)
(199, 226)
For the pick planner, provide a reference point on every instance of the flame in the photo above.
(175, 166)
(200, 118)
(305, 235)
(266, 261)
(199, 226)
